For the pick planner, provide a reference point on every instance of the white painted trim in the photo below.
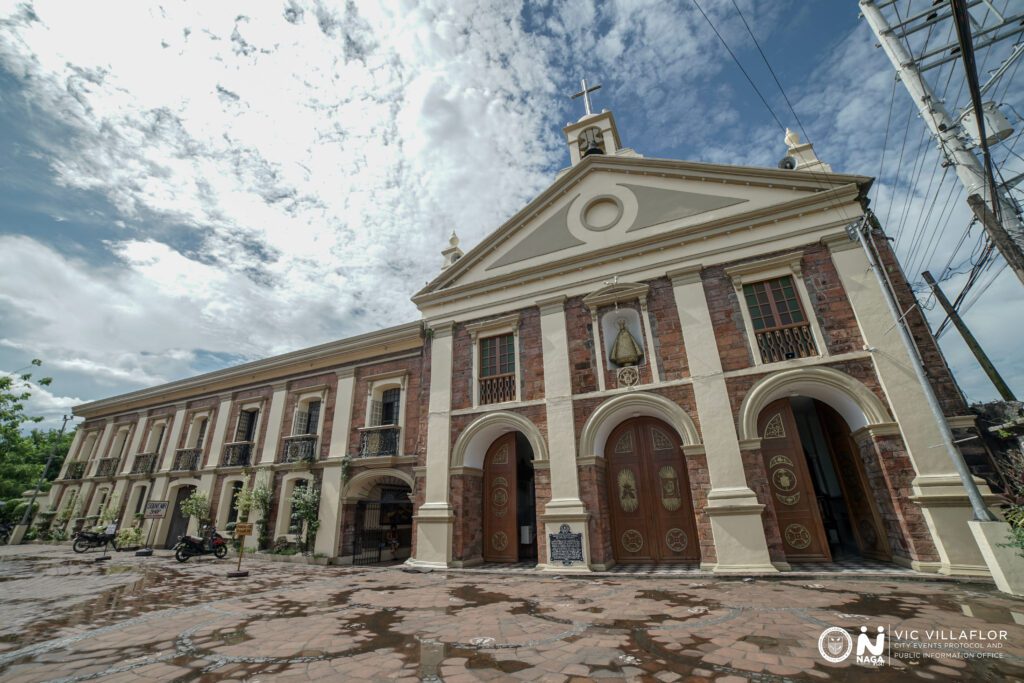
(611, 413)
(471, 446)
(359, 486)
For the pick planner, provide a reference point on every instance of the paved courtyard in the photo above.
(67, 618)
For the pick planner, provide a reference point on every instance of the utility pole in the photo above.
(1007, 231)
(972, 343)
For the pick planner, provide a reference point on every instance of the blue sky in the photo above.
(200, 184)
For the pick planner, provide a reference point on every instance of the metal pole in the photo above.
(972, 343)
(981, 511)
(42, 477)
(1007, 234)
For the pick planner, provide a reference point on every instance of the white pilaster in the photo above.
(275, 417)
(133, 447)
(565, 506)
(343, 402)
(434, 517)
(937, 486)
(735, 513)
(219, 431)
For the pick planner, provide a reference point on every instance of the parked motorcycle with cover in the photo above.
(211, 543)
(84, 540)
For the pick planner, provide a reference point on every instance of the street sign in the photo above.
(111, 529)
(243, 529)
(155, 509)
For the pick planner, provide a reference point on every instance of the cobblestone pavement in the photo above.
(67, 618)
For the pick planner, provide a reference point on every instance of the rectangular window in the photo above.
(294, 520)
(159, 438)
(497, 355)
(773, 304)
(497, 369)
(780, 326)
(389, 406)
(246, 425)
(200, 433)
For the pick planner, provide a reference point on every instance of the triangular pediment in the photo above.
(609, 203)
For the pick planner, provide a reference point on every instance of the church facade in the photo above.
(653, 362)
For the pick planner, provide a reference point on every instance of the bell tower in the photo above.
(593, 133)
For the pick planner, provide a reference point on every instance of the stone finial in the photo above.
(452, 253)
(792, 138)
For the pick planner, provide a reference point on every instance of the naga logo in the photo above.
(836, 645)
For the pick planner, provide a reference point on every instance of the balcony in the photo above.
(107, 467)
(145, 463)
(299, 448)
(76, 470)
(237, 454)
(379, 441)
(786, 343)
(497, 389)
(187, 459)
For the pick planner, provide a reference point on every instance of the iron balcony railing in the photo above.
(145, 463)
(786, 343)
(187, 458)
(76, 470)
(379, 441)
(299, 448)
(237, 454)
(497, 389)
(107, 467)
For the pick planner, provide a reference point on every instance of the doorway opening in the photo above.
(383, 524)
(822, 496)
(179, 522)
(509, 501)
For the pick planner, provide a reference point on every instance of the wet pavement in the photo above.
(67, 618)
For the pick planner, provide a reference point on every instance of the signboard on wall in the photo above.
(155, 509)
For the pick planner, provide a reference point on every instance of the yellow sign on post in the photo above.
(242, 529)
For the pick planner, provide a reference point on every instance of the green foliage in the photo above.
(262, 499)
(1013, 473)
(306, 506)
(57, 534)
(197, 505)
(110, 512)
(243, 503)
(23, 454)
(131, 536)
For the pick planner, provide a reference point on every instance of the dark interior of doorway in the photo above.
(835, 516)
(526, 500)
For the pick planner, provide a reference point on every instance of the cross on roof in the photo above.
(585, 94)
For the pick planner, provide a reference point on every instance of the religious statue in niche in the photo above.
(625, 350)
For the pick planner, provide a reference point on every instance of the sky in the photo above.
(187, 186)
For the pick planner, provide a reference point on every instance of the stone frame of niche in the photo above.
(616, 294)
(769, 269)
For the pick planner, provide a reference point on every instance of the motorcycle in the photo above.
(84, 540)
(211, 544)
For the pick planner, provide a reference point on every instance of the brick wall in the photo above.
(726, 319)
(594, 494)
(582, 358)
(757, 480)
(700, 487)
(416, 400)
(829, 302)
(666, 329)
(295, 390)
(939, 375)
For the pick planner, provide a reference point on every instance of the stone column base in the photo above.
(565, 516)
(18, 534)
(947, 512)
(1005, 563)
(738, 530)
(433, 522)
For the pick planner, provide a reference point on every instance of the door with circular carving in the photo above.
(500, 541)
(650, 507)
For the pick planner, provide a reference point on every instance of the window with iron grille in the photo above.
(307, 421)
(781, 328)
(497, 355)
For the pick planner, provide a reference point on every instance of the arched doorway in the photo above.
(376, 513)
(650, 507)
(509, 503)
(179, 522)
(823, 500)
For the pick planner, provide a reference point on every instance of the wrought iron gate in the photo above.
(382, 525)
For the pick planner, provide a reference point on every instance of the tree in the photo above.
(197, 505)
(23, 455)
(306, 507)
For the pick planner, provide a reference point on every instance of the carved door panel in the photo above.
(501, 544)
(857, 494)
(793, 496)
(675, 529)
(649, 501)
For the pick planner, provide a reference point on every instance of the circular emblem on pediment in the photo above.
(601, 213)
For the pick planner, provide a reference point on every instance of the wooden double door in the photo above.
(501, 501)
(794, 496)
(649, 502)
